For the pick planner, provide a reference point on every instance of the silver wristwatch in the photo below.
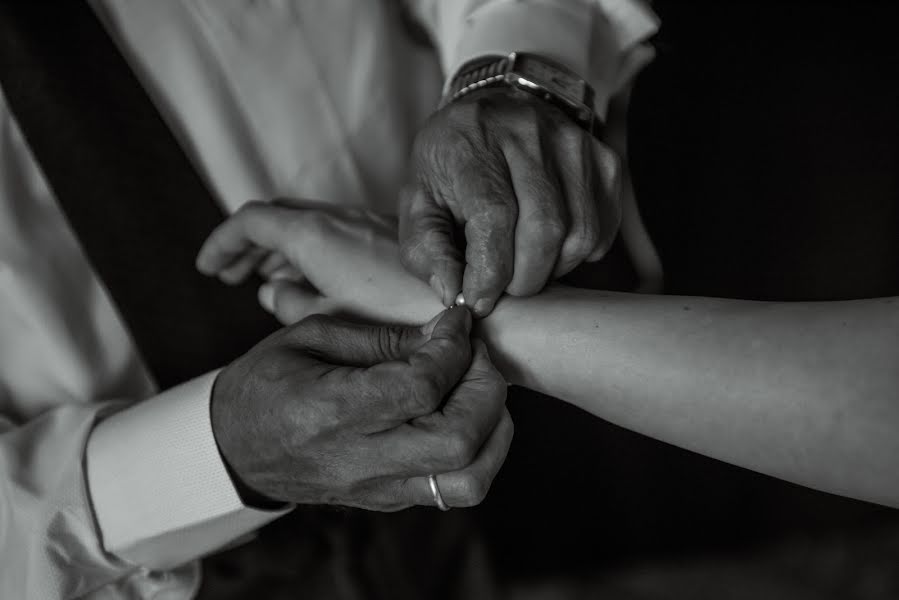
(533, 74)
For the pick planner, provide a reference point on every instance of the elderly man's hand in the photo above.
(537, 195)
(330, 412)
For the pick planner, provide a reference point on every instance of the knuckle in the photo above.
(584, 239)
(554, 232)
(608, 160)
(317, 420)
(495, 215)
(589, 238)
(510, 425)
(472, 489)
(547, 233)
(461, 447)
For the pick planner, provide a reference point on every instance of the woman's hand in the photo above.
(317, 258)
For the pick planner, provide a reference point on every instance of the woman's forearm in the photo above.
(807, 392)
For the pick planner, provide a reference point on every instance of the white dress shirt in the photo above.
(109, 489)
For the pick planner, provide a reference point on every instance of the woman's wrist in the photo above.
(514, 333)
(521, 333)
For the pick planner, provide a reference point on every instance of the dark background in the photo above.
(765, 154)
(764, 150)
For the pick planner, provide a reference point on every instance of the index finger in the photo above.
(256, 224)
(491, 213)
(427, 245)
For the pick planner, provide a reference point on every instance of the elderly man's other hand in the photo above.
(536, 194)
(330, 412)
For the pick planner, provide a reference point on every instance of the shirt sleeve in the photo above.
(159, 487)
(603, 40)
(92, 498)
(46, 524)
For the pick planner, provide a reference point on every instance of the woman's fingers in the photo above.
(272, 265)
(290, 302)
(256, 224)
(276, 266)
(243, 265)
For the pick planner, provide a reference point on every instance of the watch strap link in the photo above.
(498, 70)
(480, 73)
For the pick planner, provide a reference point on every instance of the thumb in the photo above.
(428, 247)
(354, 344)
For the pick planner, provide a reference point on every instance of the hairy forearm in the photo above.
(808, 392)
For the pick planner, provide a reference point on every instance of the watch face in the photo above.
(548, 76)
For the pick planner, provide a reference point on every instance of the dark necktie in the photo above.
(129, 192)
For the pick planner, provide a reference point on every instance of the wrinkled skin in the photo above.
(534, 193)
(331, 412)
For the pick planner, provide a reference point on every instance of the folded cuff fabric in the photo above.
(160, 490)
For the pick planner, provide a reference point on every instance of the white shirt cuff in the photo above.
(602, 40)
(160, 491)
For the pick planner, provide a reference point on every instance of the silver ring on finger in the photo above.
(435, 491)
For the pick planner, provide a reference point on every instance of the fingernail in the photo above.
(467, 319)
(437, 286)
(267, 297)
(428, 327)
(454, 309)
(482, 307)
